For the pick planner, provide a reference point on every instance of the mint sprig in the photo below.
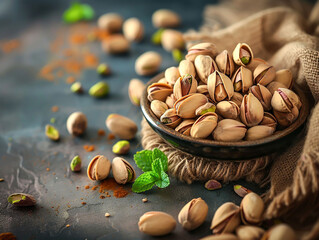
(78, 12)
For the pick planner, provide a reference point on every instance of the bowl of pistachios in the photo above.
(227, 106)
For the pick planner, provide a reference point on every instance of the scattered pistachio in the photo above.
(121, 126)
(52, 132)
(76, 87)
(99, 168)
(212, 184)
(21, 200)
(165, 18)
(99, 90)
(224, 236)
(76, 164)
(107, 215)
(121, 147)
(116, 44)
(103, 69)
(148, 63)
(110, 22)
(52, 120)
(135, 90)
(178, 55)
(157, 36)
(133, 29)
(144, 200)
(252, 209)
(123, 171)
(172, 39)
(241, 191)
(76, 123)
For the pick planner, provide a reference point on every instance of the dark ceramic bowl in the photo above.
(241, 150)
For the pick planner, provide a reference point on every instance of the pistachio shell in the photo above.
(186, 67)
(259, 132)
(148, 63)
(204, 66)
(121, 126)
(164, 18)
(241, 51)
(284, 100)
(284, 76)
(172, 74)
(219, 87)
(172, 39)
(273, 86)
(263, 95)
(254, 63)
(252, 208)
(110, 22)
(170, 100)
(187, 105)
(76, 123)
(185, 85)
(225, 63)
(116, 44)
(207, 107)
(251, 112)
(201, 49)
(229, 130)
(237, 98)
(264, 74)
(228, 109)
(225, 236)
(241, 191)
(135, 90)
(280, 231)
(287, 118)
(122, 170)
(185, 127)
(170, 118)
(204, 125)
(242, 79)
(22, 200)
(159, 91)
(249, 232)
(158, 108)
(203, 90)
(163, 80)
(133, 29)
(99, 168)
(269, 120)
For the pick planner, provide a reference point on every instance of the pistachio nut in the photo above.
(52, 132)
(203, 89)
(285, 119)
(148, 63)
(273, 86)
(99, 168)
(201, 49)
(185, 127)
(103, 69)
(269, 120)
(219, 87)
(121, 147)
(254, 63)
(21, 200)
(76, 87)
(186, 67)
(225, 63)
(110, 22)
(185, 85)
(158, 108)
(205, 66)
(121, 126)
(135, 91)
(264, 74)
(172, 39)
(249, 232)
(157, 36)
(116, 44)
(159, 91)
(241, 191)
(76, 123)
(259, 132)
(172, 74)
(133, 29)
(284, 76)
(284, 100)
(263, 95)
(251, 110)
(212, 184)
(228, 130)
(225, 236)
(237, 98)
(123, 172)
(99, 90)
(226, 218)
(76, 164)
(186, 106)
(165, 18)
(204, 125)
(163, 80)
(178, 55)
(242, 54)
(207, 107)
(228, 109)
(242, 79)
(170, 118)
(170, 100)
(193, 214)
(251, 209)
(156, 223)
(280, 231)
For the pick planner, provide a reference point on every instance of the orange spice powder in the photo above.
(89, 148)
(54, 109)
(9, 46)
(101, 132)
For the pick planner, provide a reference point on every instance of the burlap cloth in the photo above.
(287, 37)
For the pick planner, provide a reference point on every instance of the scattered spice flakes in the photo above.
(70, 80)
(102, 196)
(110, 184)
(77, 38)
(77, 188)
(111, 136)
(83, 203)
(68, 225)
(1, 179)
(89, 148)
(48, 169)
(9, 46)
(87, 187)
(54, 108)
(101, 132)
(107, 215)
(144, 200)
(7, 236)
(94, 188)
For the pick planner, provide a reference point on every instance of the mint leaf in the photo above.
(164, 181)
(87, 12)
(143, 160)
(157, 167)
(144, 182)
(77, 12)
(159, 154)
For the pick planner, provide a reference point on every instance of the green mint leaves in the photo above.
(78, 12)
(154, 165)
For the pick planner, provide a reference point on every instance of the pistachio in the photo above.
(226, 218)
(249, 232)
(187, 105)
(273, 86)
(185, 127)
(269, 120)
(251, 209)
(242, 54)
(203, 89)
(21, 200)
(185, 85)
(135, 91)
(254, 63)
(159, 91)
(76, 164)
(156, 223)
(52, 132)
(225, 63)
(204, 125)
(121, 126)
(165, 18)
(170, 100)
(193, 214)
(103, 69)
(178, 55)
(172, 39)
(212, 184)
(284, 100)
(76, 123)
(242, 79)
(259, 132)
(148, 63)
(99, 90)
(280, 231)
(284, 76)
(285, 119)
(264, 74)
(158, 108)
(207, 107)
(241, 191)
(133, 29)
(172, 74)
(163, 80)
(110, 22)
(116, 44)
(225, 236)
(121, 147)
(237, 98)
(123, 172)
(186, 67)
(76, 87)
(205, 66)
(201, 49)
(170, 118)
(251, 112)
(227, 109)
(219, 87)
(263, 95)
(99, 168)
(157, 36)
(229, 130)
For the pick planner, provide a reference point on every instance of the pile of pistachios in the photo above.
(224, 97)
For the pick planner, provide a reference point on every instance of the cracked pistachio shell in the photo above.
(170, 118)
(263, 95)
(264, 74)
(163, 80)
(251, 110)
(269, 120)
(287, 118)
(279, 232)
(229, 130)
(187, 105)
(186, 67)
(122, 127)
(148, 63)
(204, 125)
(273, 86)
(133, 29)
(237, 98)
(165, 18)
(159, 91)
(193, 214)
(219, 87)
(225, 63)
(76, 123)
(185, 85)
(204, 66)
(99, 168)
(226, 218)
(284, 76)
(158, 107)
(172, 39)
(228, 109)
(254, 63)
(156, 223)
(185, 127)
(242, 79)
(242, 54)
(201, 49)
(225, 236)
(116, 44)
(284, 100)
(170, 100)
(251, 209)
(121, 147)
(249, 232)
(259, 132)
(135, 90)
(22, 200)
(110, 22)
(172, 74)
(122, 170)
(207, 107)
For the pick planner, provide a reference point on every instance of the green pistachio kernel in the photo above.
(100, 89)
(245, 60)
(157, 36)
(76, 87)
(76, 164)
(52, 120)
(121, 147)
(211, 109)
(103, 69)
(130, 175)
(177, 55)
(52, 132)
(21, 200)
